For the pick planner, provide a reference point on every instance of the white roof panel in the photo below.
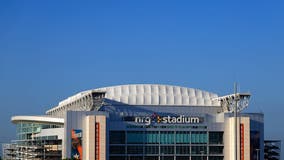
(153, 94)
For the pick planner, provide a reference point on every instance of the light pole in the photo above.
(234, 103)
(236, 122)
(257, 153)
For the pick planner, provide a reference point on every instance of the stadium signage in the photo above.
(168, 119)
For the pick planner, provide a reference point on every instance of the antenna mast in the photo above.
(236, 121)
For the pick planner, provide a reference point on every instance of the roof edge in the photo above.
(40, 119)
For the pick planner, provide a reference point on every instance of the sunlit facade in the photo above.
(144, 122)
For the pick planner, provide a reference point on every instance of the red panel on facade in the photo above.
(97, 151)
(242, 140)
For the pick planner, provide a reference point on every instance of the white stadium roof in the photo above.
(138, 94)
(152, 94)
(141, 94)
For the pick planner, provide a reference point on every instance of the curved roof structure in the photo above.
(137, 94)
(152, 94)
(38, 119)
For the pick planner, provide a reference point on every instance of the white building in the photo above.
(142, 122)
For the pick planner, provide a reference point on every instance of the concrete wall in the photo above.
(86, 121)
(250, 122)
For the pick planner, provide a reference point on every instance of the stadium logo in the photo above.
(155, 118)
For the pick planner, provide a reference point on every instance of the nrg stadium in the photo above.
(141, 122)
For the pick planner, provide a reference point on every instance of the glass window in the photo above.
(117, 137)
(182, 137)
(216, 137)
(182, 150)
(167, 158)
(167, 150)
(134, 149)
(135, 137)
(151, 149)
(151, 158)
(216, 149)
(254, 143)
(198, 158)
(198, 150)
(167, 137)
(199, 137)
(116, 158)
(152, 137)
(182, 158)
(134, 158)
(25, 129)
(216, 158)
(117, 149)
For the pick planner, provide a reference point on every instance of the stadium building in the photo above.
(141, 122)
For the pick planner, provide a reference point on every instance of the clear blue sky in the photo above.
(50, 50)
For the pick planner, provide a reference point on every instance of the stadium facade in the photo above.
(141, 122)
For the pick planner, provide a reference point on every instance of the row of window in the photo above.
(165, 137)
(165, 158)
(26, 129)
(165, 150)
(32, 127)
